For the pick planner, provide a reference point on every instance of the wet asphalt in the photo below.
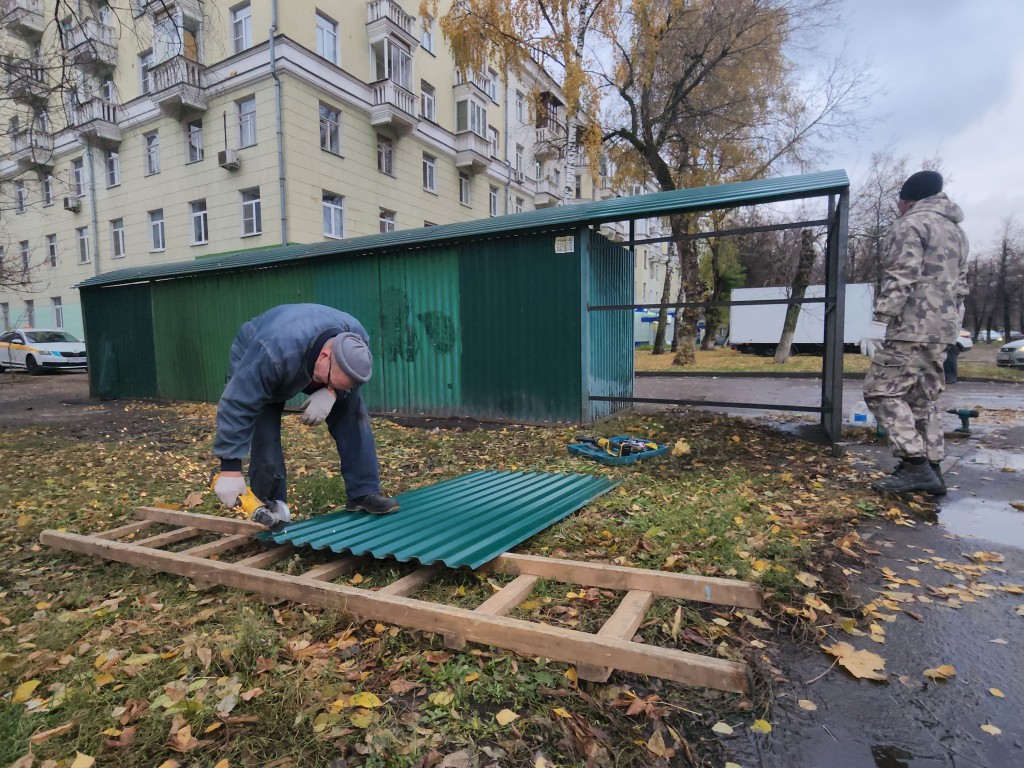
(909, 721)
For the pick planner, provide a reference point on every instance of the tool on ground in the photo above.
(619, 446)
(256, 509)
(965, 414)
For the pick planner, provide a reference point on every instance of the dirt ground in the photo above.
(57, 398)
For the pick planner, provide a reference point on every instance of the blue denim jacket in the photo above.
(268, 365)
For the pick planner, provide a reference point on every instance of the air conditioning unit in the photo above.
(72, 204)
(519, 176)
(229, 159)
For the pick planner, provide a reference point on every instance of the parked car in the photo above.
(1011, 355)
(964, 341)
(39, 349)
(989, 336)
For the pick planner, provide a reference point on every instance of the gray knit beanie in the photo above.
(353, 356)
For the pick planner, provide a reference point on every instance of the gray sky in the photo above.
(950, 79)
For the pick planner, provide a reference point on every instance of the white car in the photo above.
(1011, 355)
(964, 341)
(39, 349)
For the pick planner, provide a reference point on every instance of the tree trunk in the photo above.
(713, 315)
(689, 286)
(666, 297)
(799, 288)
(1004, 287)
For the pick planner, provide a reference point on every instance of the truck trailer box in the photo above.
(757, 328)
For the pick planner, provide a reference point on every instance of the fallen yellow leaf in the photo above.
(442, 698)
(40, 736)
(24, 691)
(471, 677)
(997, 693)
(561, 712)
(83, 761)
(810, 706)
(506, 716)
(681, 448)
(761, 726)
(723, 728)
(989, 728)
(366, 699)
(944, 672)
(863, 664)
(222, 763)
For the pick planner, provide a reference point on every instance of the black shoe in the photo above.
(938, 473)
(911, 478)
(375, 504)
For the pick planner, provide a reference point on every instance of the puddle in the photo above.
(995, 521)
(998, 460)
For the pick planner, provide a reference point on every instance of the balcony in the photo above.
(24, 17)
(26, 80)
(394, 107)
(190, 9)
(31, 149)
(549, 193)
(97, 120)
(92, 44)
(549, 139)
(472, 152)
(605, 190)
(387, 18)
(179, 87)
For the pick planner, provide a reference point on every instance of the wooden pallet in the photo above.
(595, 655)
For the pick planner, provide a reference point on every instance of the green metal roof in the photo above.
(466, 521)
(557, 218)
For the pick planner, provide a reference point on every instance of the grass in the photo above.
(729, 360)
(127, 657)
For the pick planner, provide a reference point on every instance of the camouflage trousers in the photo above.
(902, 389)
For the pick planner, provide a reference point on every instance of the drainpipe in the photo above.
(508, 164)
(92, 210)
(280, 129)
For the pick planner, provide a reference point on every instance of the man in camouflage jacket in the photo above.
(920, 303)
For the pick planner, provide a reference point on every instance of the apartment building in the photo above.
(145, 132)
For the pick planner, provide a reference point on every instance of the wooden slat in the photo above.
(498, 604)
(171, 537)
(500, 631)
(704, 589)
(271, 556)
(622, 625)
(331, 570)
(408, 585)
(125, 530)
(223, 544)
(203, 522)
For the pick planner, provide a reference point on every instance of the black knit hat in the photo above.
(921, 185)
(353, 356)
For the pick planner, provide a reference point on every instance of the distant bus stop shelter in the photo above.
(522, 318)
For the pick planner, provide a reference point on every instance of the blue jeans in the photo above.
(349, 425)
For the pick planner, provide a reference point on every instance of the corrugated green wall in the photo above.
(610, 333)
(119, 338)
(521, 322)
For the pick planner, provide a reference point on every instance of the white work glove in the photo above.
(317, 407)
(229, 488)
(872, 341)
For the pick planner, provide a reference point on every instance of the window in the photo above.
(427, 102)
(520, 107)
(519, 205)
(78, 177)
(26, 258)
(334, 215)
(107, 90)
(246, 121)
(20, 197)
(519, 159)
(492, 141)
(51, 250)
(537, 170)
(146, 72)
(385, 161)
(387, 220)
(492, 84)
(82, 236)
(48, 190)
(464, 188)
(241, 28)
(151, 147)
(252, 217)
(492, 201)
(470, 116)
(117, 238)
(429, 164)
(427, 34)
(113, 167)
(43, 121)
(392, 62)
(579, 187)
(157, 235)
(326, 38)
(58, 312)
(330, 129)
(194, 139)
(30, 312)
(200, 223)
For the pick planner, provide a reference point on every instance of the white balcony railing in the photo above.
(31, 140)
(178, 71)
(97, 109)
(392, 11)
(88, 31)
(388, 92)
(25, 16)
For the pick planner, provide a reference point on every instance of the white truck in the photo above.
(757, 328)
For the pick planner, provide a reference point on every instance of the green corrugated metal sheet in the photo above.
(610, 344)
(462, 522)
(122, 358)
(521, 324)
(556, 218)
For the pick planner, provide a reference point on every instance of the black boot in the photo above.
(938, 473)
(911, 478)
